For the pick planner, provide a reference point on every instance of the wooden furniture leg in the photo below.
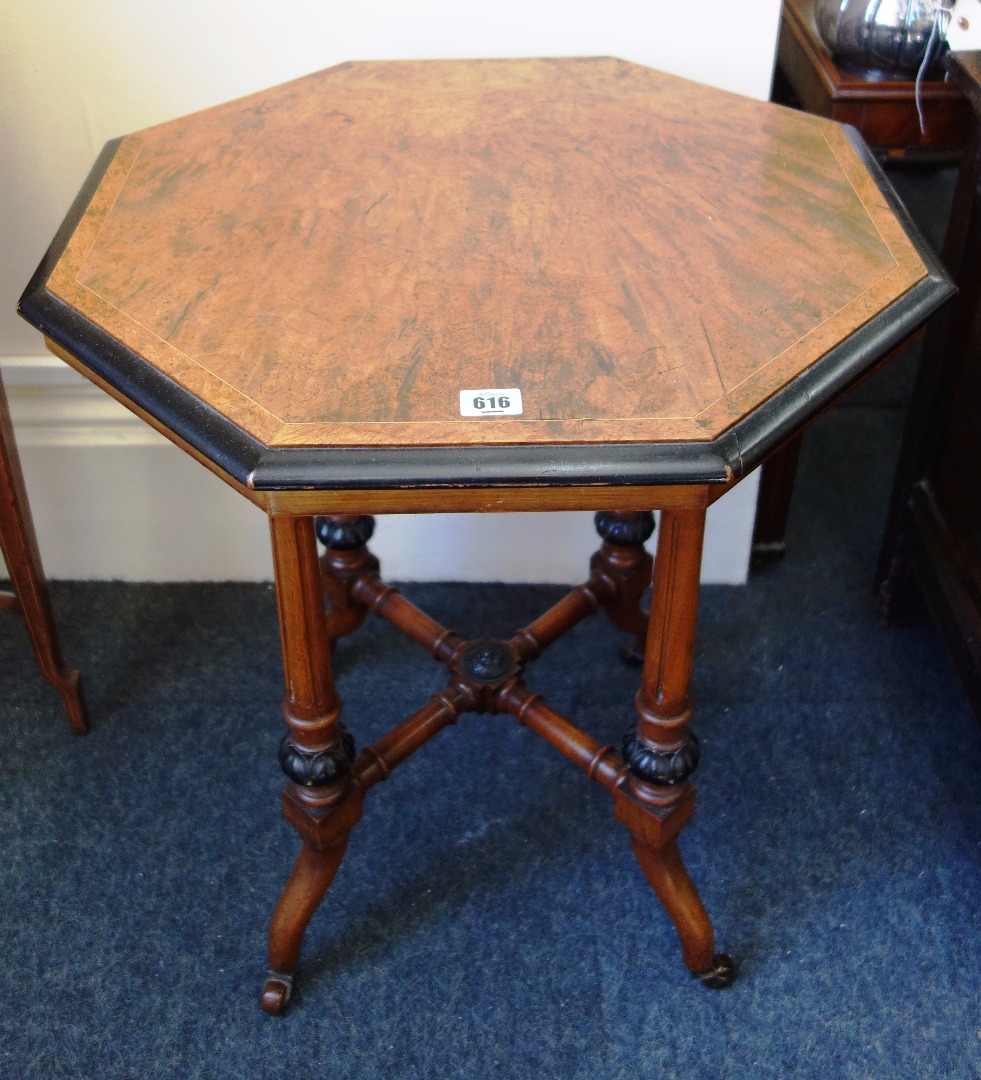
(658, 798)
(624, 558)
(347, 558)
(20, 551)
(319, 799)
(777, 476)
(308, 882)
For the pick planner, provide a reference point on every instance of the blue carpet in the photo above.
(489, 920)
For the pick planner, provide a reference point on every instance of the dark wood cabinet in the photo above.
(932, 546)
(881, 106)
(883, 110)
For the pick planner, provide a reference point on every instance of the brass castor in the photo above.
(276, 993)
(721, 975)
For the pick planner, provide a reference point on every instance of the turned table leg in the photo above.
(345, 560)
(20, 551)
(658, 798)
(319, 798)
(624, 557)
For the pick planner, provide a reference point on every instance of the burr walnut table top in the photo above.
(299, 284)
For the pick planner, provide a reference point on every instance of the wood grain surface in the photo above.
(330, 262)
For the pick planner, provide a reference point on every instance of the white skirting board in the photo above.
(112, 499)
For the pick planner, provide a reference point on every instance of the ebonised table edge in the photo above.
(722, 460)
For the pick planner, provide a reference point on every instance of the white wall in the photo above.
(109, 498)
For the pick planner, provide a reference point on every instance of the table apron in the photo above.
(489, 500)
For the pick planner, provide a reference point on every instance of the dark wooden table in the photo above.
(481, 286)
(933, 543)
(29, 597)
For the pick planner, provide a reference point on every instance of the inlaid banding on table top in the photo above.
(328, 263)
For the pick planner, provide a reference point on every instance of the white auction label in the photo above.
(490, 402)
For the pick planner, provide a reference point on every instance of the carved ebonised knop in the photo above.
(344, 533)
(317, 768)
(625, 529)
(665, 767)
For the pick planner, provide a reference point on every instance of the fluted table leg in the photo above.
(658, 798)
(316, 753)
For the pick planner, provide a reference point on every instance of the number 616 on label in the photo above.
(500, 402)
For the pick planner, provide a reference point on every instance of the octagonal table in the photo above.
(482, 286)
